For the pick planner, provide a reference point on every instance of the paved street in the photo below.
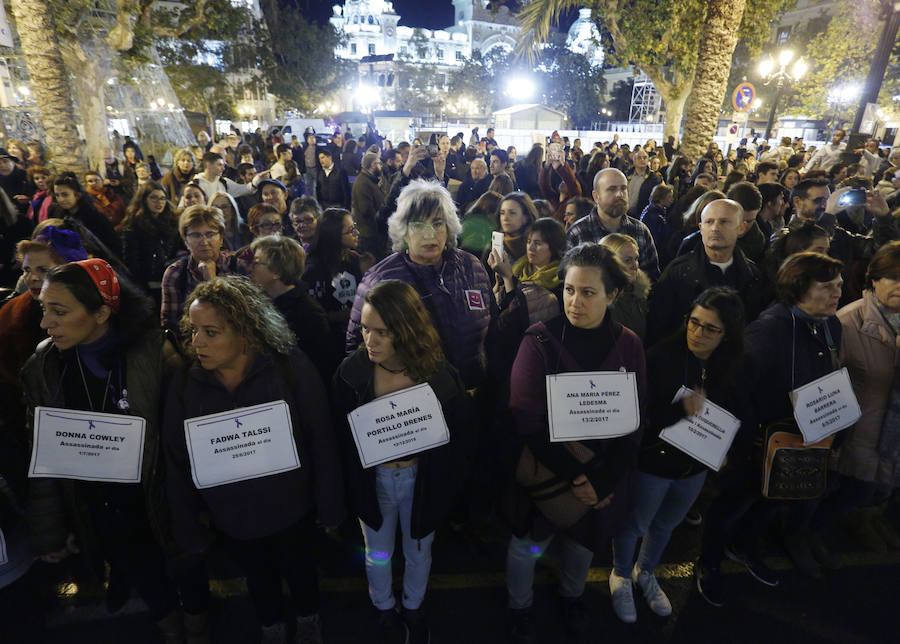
(855, 604)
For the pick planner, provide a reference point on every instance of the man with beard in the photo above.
(366, 200)
(810, 198)
(715, 262)
(609, 216)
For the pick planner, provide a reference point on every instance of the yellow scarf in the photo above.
(545, 276)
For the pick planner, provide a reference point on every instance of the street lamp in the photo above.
(770, 70)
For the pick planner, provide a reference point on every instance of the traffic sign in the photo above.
(743, 97)
(731, 137)
(739, 117)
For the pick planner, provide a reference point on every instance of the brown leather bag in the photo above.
(552, 495)
(791, 470)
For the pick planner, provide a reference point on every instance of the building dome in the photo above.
(584, 38)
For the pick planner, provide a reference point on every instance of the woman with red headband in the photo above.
(93, 392)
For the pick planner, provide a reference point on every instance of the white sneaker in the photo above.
(622, 598)
(654, 595)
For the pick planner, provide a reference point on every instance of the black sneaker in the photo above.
(823, 553)
(393, 628)
(577, 618)
(418, 627)
(521, 626)
(693, 517)
(798, 548)
(754, 565)
(709, 583)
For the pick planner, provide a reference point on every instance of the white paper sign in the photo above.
(825, 406)
(592, 404)
(4, 558)
(87, 445)
(241, 444)
(398, 425)
(707, 436)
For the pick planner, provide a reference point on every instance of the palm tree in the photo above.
(718, 37)
(49, 81)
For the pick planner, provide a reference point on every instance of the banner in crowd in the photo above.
(398, 425)
(241, 444)
(592, 404)
(87, 446)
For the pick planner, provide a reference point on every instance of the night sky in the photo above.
(431, 14)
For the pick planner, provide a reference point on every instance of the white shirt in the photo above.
(825, 157)
(223, 184)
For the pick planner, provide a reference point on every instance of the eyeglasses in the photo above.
(303, 221)
(706, 329)
(353, 229)
(424, 227)
(198, 237)
(272, 225)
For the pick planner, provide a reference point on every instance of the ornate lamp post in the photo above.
(778, 72)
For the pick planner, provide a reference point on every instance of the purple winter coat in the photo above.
(458, 293)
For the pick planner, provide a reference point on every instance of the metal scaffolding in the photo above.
(645, 101)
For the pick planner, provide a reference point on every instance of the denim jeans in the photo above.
(521, 557)
(395, 489)
(660, 504)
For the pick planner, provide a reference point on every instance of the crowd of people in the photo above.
(247, 313)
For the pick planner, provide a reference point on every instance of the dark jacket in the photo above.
(309, 323)
(470, 190)
(547, 349)
(333, 190)
(440, 471)
(262, 506)
(672, 366)
(366, 201)
(16, 183)
(148, 245)
(459, 296)
(527, 176)
(691, 274)
(335, 293)
(55, 506)
(775, 342)
(656, 219)
(99, 225)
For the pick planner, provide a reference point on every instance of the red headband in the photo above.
(104, 278)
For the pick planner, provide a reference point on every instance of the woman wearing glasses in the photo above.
(150, 237)
(453, 284)
(703, 356)
(203, 230)
(333, 269)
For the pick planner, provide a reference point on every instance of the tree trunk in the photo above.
(674, 93)
(674, 112)
(90, 83)
(718, 37)
(49, 81)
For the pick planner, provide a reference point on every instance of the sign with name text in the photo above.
(87, 446)
(707, 436)
(825, 406)
(592, 404)
(241, 444)
(398, 425)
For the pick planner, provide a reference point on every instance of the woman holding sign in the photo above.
(586, 374)
(698, 364)
(248, 443)
(388, 418)
(796, 341)
(93, 391)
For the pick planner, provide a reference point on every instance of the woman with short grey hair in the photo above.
(452, 283)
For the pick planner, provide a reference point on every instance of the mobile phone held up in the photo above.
(853, 197)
